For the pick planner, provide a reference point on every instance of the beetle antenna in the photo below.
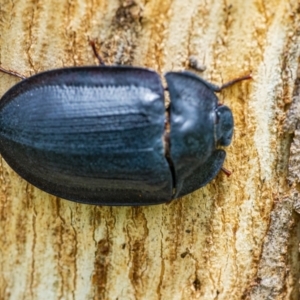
(234, 81)
(13, 73)
(101, 61)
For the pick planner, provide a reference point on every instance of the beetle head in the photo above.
(224, 125)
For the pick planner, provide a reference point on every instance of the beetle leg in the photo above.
(13, 73)
(101, 61)
(226, 172)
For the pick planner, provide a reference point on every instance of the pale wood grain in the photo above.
(211, 244)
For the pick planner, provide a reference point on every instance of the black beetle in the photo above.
(101, 134)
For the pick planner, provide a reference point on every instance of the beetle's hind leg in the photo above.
(101, 61)
(13, 73)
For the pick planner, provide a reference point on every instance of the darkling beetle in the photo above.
(101, 134)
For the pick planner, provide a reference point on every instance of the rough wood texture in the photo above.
(238, 237)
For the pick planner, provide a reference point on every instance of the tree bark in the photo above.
(236, 238)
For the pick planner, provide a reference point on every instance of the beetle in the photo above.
(101, 134)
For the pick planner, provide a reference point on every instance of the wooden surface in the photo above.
(237, 238)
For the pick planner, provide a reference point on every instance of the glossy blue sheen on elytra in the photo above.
(98, 135)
